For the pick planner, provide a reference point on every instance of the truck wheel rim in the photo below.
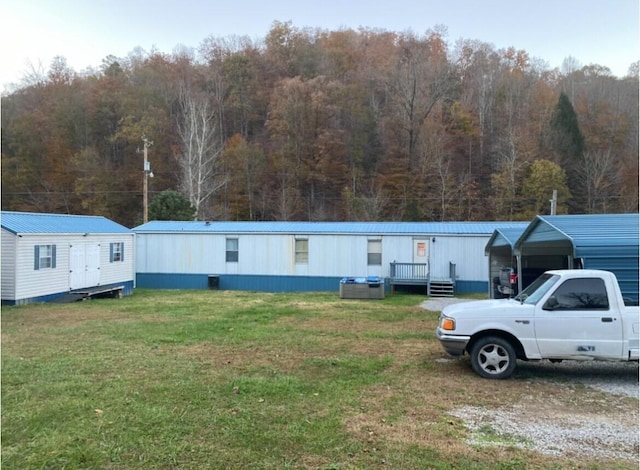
(493, 359)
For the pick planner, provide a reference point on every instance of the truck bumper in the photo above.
(453, 344)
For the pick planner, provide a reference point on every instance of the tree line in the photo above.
(309, 124)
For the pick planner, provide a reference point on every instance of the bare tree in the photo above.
(599, 173)
(202, 147)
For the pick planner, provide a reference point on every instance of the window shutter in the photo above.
(110, 252)
(53, 256)
(36, 257)
(122, 252)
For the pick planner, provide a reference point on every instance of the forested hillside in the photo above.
(325, 125)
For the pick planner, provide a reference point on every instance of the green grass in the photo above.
(204, 379)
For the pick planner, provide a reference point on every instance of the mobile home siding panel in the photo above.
(466, 252)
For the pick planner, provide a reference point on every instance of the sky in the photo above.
(84, 32)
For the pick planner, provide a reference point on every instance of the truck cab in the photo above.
(563, 314)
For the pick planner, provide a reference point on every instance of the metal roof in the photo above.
(602, 241)
(505, 236)
(377, 228)
(35, 223)
(588, 230)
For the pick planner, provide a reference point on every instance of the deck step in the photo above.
(442, 288)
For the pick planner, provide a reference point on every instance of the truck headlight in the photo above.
(447, 323)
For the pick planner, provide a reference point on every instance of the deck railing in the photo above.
(417, 273)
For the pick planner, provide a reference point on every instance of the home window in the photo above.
(116, 252)
(374, 252)
(44, 257)
(232, 250)
(302, 250)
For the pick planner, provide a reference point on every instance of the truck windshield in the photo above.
(537, 289)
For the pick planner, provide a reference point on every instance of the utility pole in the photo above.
(145, 181)
(554, 202)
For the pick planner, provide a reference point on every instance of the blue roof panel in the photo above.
(31, 222)
(584, 230)
(505, 236)
(602, 241)
(380, 228)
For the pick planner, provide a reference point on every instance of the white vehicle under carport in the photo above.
(565, 314)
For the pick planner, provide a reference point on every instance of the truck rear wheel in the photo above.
(493, 357)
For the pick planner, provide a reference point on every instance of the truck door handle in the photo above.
(606, 319)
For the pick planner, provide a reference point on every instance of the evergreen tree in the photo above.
(171, 205)
(569, 146)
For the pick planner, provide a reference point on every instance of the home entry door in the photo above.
(84, 265)
(421, 255)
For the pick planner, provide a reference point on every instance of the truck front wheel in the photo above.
(493, 357)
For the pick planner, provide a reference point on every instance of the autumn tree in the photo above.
(309, 124)
(542, 179)
(419, 80)
(201, 147)
(308, 155)
(240, 198)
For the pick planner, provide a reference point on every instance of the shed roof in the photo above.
(35, 223)
(306, 228)
(586, 232)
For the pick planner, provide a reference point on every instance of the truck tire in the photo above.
(493, 357)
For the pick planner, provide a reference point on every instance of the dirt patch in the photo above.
(557, 420)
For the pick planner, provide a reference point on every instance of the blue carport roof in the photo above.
(505, 236)
(35, 223)
(583, 231)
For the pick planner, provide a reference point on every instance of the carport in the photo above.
(499, 249)
(589, 241)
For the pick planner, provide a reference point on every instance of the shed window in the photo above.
(116, 252)
(44, 257)
(302, 251)
(374, 252)
(232, 250)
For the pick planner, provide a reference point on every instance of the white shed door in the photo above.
(84, 265)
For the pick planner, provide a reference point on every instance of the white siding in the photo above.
(329, 255)
(111, 273)
(33, 283)
(466, 252)
(8, 260)
(30, 283)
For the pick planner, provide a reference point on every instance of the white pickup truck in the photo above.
(565, 314)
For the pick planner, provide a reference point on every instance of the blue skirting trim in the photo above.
(267, 283)
(471, 287)
(261, 283)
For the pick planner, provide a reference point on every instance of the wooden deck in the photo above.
(417, 274)
(405, 274)
(88, 293)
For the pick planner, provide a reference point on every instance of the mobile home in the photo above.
(311, 256)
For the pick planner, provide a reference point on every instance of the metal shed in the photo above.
(594, 241)
(308, 256)
(48, 257)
